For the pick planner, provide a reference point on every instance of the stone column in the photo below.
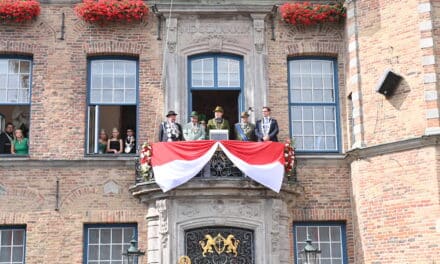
(158, 236)
(172, 75)
(258, 98)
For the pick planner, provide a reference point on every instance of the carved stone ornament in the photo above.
(171, 34)
(259, 34)
(163, 221)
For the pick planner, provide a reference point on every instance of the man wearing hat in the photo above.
(193, 130)
(170, 130)
(218, 122)
(244, 131)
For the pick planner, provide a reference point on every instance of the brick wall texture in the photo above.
(389, 202)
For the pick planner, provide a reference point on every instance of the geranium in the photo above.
(306, 13)
(102, 11)
(19, 10)
(145, 155)
(289, 156)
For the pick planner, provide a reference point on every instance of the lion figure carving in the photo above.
(231, 244)
(207, 245)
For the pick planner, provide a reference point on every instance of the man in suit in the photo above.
(218, 122)
(6, 139)
(266, 128)
(193, 130)
(245, 130)
(170, 130)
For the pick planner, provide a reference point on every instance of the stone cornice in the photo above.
(99, 162)
(392, 147)
(220, 187)
(189, 9)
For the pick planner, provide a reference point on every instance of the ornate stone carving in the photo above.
(249, 211)
(111, 187)
(161, 208)
(258, 33)
(189, 210)
(171, 34)
(275, 233)
(215, 43)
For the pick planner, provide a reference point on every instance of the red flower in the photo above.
(310, 14)
(19, 10)
(101, 11)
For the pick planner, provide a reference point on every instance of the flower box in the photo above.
(19, 10)
(306, 13)
(102, 11)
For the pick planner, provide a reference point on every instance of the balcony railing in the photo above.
(219, 167)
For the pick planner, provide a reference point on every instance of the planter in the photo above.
(103, 11)
(305, 13)
(19, 10)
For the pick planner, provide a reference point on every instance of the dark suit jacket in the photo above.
(273, 130)
(163, 137)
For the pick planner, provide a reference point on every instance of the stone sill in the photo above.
(99, 162)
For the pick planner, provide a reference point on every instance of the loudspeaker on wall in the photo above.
(388, 83)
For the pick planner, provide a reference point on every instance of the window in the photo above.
(328, 237)
(112, 102)
(104, 244)
(15, 95)
(313, 103)
(215, 71)
(12, 244)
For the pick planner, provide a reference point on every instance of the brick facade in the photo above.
(383, 184)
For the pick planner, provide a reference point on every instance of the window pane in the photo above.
(335, 233)
(196, 66)
(5, 254)
(308, 113)
(324, 234)
(316, 67)
(107, 67)
(93, 236)
(18, 237)
(297, 128)
(331, 143)
(104, 252)
(13, 81)
(14, 66)
(325, 250)
(105, 236)
(128, 234)
(336, 250)
(6, 237)
(93, 252)
(25, 66)
(119, 67)
(301, 234)
(308, 128)
(17, 254)
(308, 143)
(329, 113)
(116, 251)
(117, 235)
(3, 66)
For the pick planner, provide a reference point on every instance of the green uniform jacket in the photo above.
(213, 125)
(248, 130)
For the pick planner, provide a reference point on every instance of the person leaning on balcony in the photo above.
(20, 144)
(170, 130)
(115, 144)
(218, 122)
(266, 129)
(193, 130)
(245, 130)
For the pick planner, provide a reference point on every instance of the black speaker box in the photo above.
(388, 83)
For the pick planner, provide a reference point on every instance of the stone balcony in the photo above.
(220, 199)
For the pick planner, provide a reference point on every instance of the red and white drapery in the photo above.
(175, 163)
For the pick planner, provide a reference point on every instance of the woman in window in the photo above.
(20, 144)
(103, 140)
(115, 144)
